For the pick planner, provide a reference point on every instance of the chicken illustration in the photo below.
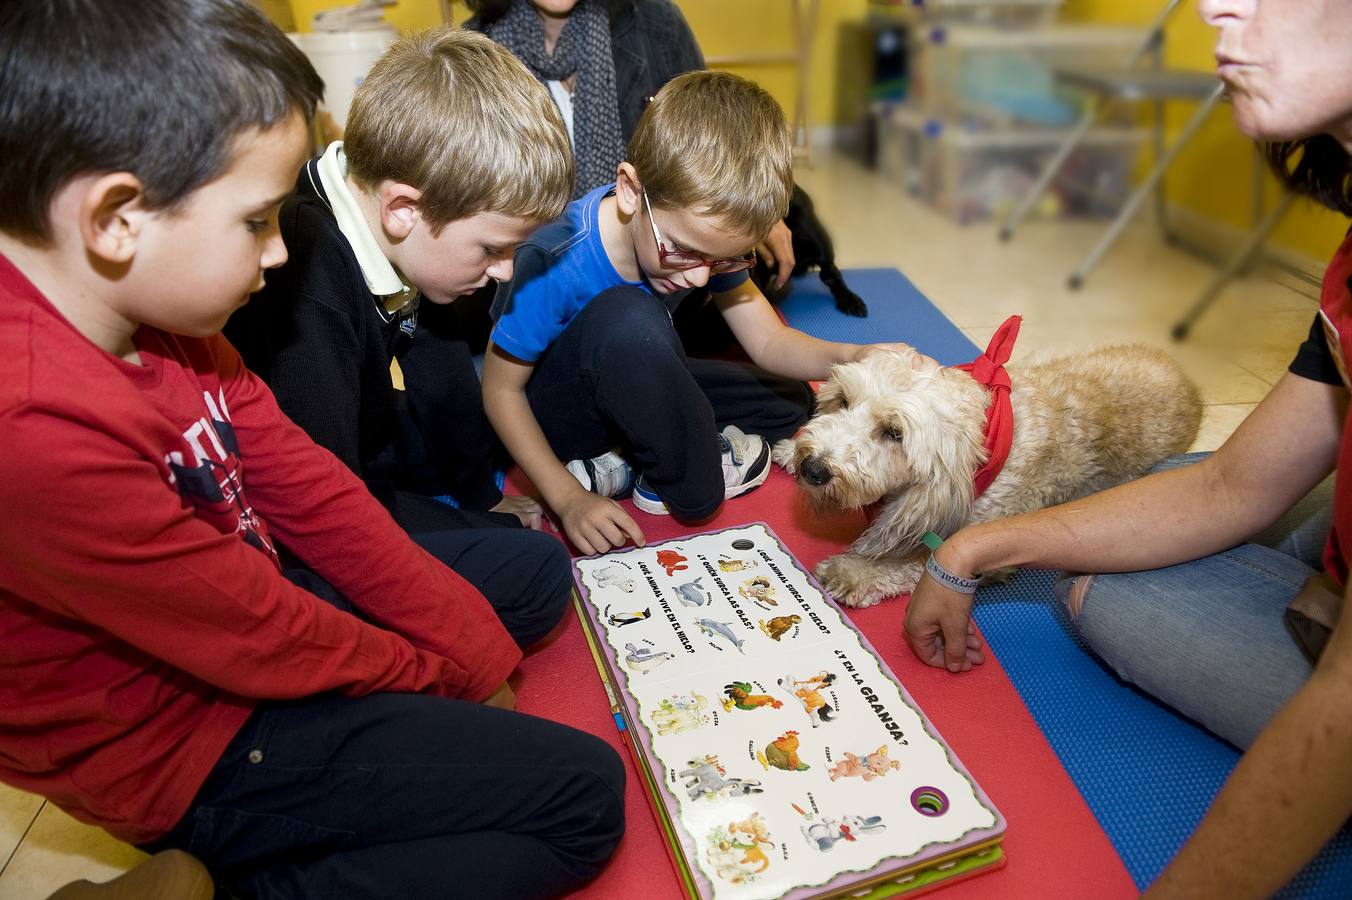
(782, 753)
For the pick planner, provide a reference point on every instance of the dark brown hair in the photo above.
(158, 88)
(1318, 167)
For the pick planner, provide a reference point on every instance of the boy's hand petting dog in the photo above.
(777, 251)
(595, 524)
(527, 509)
(918, 359)
(939, 627)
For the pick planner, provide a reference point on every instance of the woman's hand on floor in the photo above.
(939, 627)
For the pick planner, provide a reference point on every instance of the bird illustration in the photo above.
(782, 753)
(739, 695)
(778, 625)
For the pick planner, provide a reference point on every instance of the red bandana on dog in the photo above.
(989, 369)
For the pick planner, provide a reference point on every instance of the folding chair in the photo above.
(1134, 83)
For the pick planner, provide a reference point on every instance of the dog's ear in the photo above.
(903, 520)
(939, 499)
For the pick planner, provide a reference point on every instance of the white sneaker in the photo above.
(746, 465)
(746, 461)
(608, 474)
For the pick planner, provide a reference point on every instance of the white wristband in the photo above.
(950, 580)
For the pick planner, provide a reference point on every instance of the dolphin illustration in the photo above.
(691, 593)
(709, 626)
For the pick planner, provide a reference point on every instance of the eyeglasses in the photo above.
(680, 260)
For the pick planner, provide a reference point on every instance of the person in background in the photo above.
(1223, 581)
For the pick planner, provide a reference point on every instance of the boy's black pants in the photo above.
(405, 795)
(618, 376)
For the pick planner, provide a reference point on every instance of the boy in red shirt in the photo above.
(329, 719)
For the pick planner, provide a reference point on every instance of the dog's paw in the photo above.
(851, 304)
(860, 581)
(852, 580)
(782, 453)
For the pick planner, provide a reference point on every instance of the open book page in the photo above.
(787, 753)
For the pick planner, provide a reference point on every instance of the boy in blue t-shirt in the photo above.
(584, 357)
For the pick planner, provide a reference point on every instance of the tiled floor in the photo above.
(1236, 354)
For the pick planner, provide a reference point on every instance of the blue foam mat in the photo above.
(897, 312)
(1147, 773)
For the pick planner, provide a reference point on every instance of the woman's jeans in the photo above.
(1207, 637)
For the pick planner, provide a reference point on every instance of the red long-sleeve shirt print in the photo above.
(142, 609)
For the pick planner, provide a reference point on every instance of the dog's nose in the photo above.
(813, 472)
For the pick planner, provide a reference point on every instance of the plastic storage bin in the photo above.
(342, 59)
(973, 171)
(1020, 13)
(1007, 75)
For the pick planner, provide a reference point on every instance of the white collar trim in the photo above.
(382, 278)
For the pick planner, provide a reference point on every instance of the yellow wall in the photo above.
(406, 15)
(1214, 173)
(726, 28)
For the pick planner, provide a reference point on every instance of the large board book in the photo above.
(781, 756)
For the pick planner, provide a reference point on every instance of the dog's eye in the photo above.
(893, 433)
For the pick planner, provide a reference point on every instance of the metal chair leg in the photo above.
(1237, 262)
(1044, 180)
(1144, 189)
(1151, 45)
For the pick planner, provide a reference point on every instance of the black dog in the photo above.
(812, 248)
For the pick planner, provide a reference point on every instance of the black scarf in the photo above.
(583, 50)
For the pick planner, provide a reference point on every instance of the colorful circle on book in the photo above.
(929, 801)
(742, 544)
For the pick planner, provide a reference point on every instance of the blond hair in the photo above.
(716, 144)
(455, 115)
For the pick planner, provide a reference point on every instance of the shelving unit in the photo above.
(973, 172)
(985, 112)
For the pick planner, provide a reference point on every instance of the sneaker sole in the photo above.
(756, 480)
(653, 506)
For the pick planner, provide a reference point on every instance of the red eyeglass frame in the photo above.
(687, 259)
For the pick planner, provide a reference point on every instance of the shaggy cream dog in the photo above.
(907, 436)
